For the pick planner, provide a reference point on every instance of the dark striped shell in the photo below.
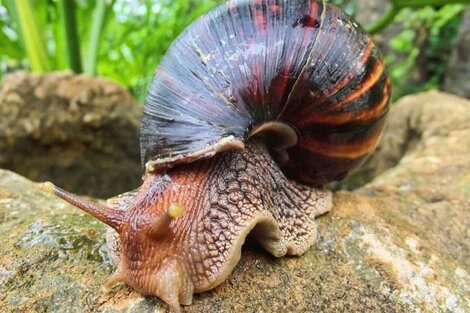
(302, 63)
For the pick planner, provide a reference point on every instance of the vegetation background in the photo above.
(125, 40)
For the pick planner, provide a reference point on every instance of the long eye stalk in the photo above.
(111, 217)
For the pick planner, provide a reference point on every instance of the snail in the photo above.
(254, 107)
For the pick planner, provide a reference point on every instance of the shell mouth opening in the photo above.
(224, 144)
(278, 136)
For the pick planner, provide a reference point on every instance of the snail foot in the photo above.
(296, 216)
(112, 281)
(173, 285)
(165, 279)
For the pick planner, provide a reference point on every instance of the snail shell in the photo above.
(301, 74)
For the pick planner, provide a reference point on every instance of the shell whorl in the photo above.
(300, 63)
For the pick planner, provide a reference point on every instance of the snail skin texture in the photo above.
(254, 107)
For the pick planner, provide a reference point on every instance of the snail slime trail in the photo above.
(254, 107)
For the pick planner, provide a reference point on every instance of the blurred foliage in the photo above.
(136, 37)
(419, 54)
(349, 6)
(427, 41)
(134, 45)
(125, 40)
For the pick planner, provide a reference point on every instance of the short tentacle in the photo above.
(162, 223)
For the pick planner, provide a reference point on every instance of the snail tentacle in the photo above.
(111, 217)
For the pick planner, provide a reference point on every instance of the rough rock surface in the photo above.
(415, 122)
(79, 132)
(398, 244)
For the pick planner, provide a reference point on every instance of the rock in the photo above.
(80, 132)
(398, 244)
(457, 76)
(414, 122)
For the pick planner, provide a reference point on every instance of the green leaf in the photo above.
(8, 46)
(34, 42)
(69, 24)
(101, 15)
(403, 42)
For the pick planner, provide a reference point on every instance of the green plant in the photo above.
(427, 41)
(125, 40)
(11, 46)
(349, 6)
(100, 19)
(114, 38)
(31, 34)
(398, 5)
(55, 34)
(139, 37)
(69, 21)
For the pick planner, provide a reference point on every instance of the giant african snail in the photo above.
(251, 95)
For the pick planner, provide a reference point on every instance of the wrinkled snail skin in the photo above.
(226, 197)
(254, 107)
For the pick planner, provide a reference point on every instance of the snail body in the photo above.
(254, 107)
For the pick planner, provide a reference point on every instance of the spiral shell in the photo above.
(301, 73)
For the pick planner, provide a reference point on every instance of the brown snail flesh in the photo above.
(254, 107)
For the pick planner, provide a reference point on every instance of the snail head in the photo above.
(149, 255)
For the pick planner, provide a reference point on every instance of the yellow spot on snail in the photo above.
(47, 187)
(175, 210)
